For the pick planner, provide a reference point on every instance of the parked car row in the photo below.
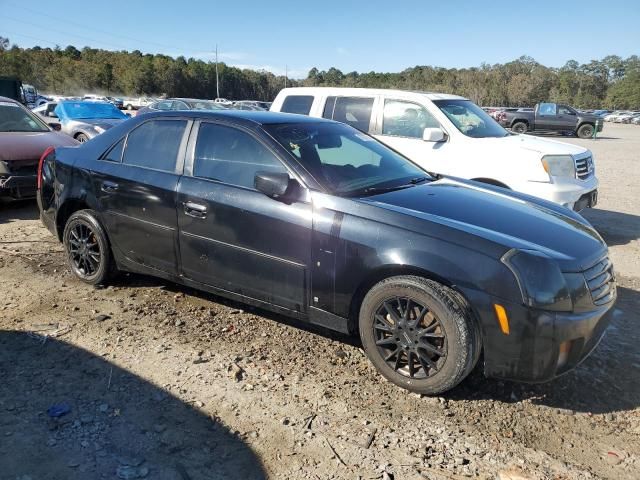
(623, 116)
(413, 219)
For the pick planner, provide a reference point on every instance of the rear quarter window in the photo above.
(300, 104)
(155, 144)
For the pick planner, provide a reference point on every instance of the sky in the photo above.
(372, 35)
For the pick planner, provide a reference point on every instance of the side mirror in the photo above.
(56, 126)
(433, 135)
(273, 185)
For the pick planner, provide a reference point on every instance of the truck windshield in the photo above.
(14, 118)
(87, 110)
(470, 119)
(346, 161)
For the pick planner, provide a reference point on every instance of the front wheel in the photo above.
(519, 127)
(585, 131)
(418, 334)
(87, 248)
(81, 137)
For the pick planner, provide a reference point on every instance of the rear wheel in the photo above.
(81, 137)
(519, 127)
(585, 131)
(87, 248)
(418, 335)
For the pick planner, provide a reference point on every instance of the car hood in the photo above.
(30, 145)
(542, 146)
(510, 220)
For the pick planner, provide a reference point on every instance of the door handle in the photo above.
(196, 210)
(109, 187)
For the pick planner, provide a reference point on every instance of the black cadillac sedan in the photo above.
(319, 221)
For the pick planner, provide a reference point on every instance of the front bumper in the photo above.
(541, 345)
(18, 186)
(568, 193)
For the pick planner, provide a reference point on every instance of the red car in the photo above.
(23, 139)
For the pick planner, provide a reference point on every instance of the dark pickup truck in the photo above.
(551, 117)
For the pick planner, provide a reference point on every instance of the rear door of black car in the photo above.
(232, 236)
(136, 188)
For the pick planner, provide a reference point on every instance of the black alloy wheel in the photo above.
(88, 252)
(419, 334)
(519, 127)
(409, 337)
(84, 250)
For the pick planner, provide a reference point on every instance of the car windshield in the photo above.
(204, 105)
(346, 161)
(14, 118)
(87, 110)
(470, 119)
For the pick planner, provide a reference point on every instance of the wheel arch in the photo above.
(68, 208)
(388, 271)
(520, 120)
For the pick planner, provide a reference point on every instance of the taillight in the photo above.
(40, 164)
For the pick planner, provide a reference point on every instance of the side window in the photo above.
(231, 156)
(547, 109)
(165, 105)
(115, 153)
(300, 104)
(177, 105)
(155, 144)
(406, 119)
(564, 110)
(329, 106)
(354, 111)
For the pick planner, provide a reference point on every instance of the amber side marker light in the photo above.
(503, 320)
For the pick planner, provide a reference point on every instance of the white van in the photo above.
(450, 135)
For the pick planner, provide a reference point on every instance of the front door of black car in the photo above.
(234, 237)
(136, 187)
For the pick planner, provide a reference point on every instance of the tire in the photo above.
(519, 127)
(439, 334)
(81, 137)
(87, 248)
(129, 107)
(585, 131)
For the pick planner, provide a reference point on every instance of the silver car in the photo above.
(85, 120)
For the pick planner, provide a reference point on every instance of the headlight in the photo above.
(541, 282)
(559, 165)
(99, 129)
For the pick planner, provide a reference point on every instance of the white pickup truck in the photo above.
(450, 135)
(136, 103)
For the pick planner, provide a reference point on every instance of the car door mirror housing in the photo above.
(273, 185)
(433, 135)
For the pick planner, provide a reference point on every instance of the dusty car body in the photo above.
(85, 120)
(319, 221)
(23, 139)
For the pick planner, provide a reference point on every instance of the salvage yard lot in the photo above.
(167, 383)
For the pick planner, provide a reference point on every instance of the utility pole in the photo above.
(217, 82)
(286, 72)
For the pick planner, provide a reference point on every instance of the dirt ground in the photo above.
(163, 382)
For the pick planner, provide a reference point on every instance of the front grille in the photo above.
(601, 282)
(584, 167)
(21, 167)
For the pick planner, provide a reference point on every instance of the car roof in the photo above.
(341, 91)
(241, 116)
(7, 99)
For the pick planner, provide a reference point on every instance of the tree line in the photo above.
(612, 82)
